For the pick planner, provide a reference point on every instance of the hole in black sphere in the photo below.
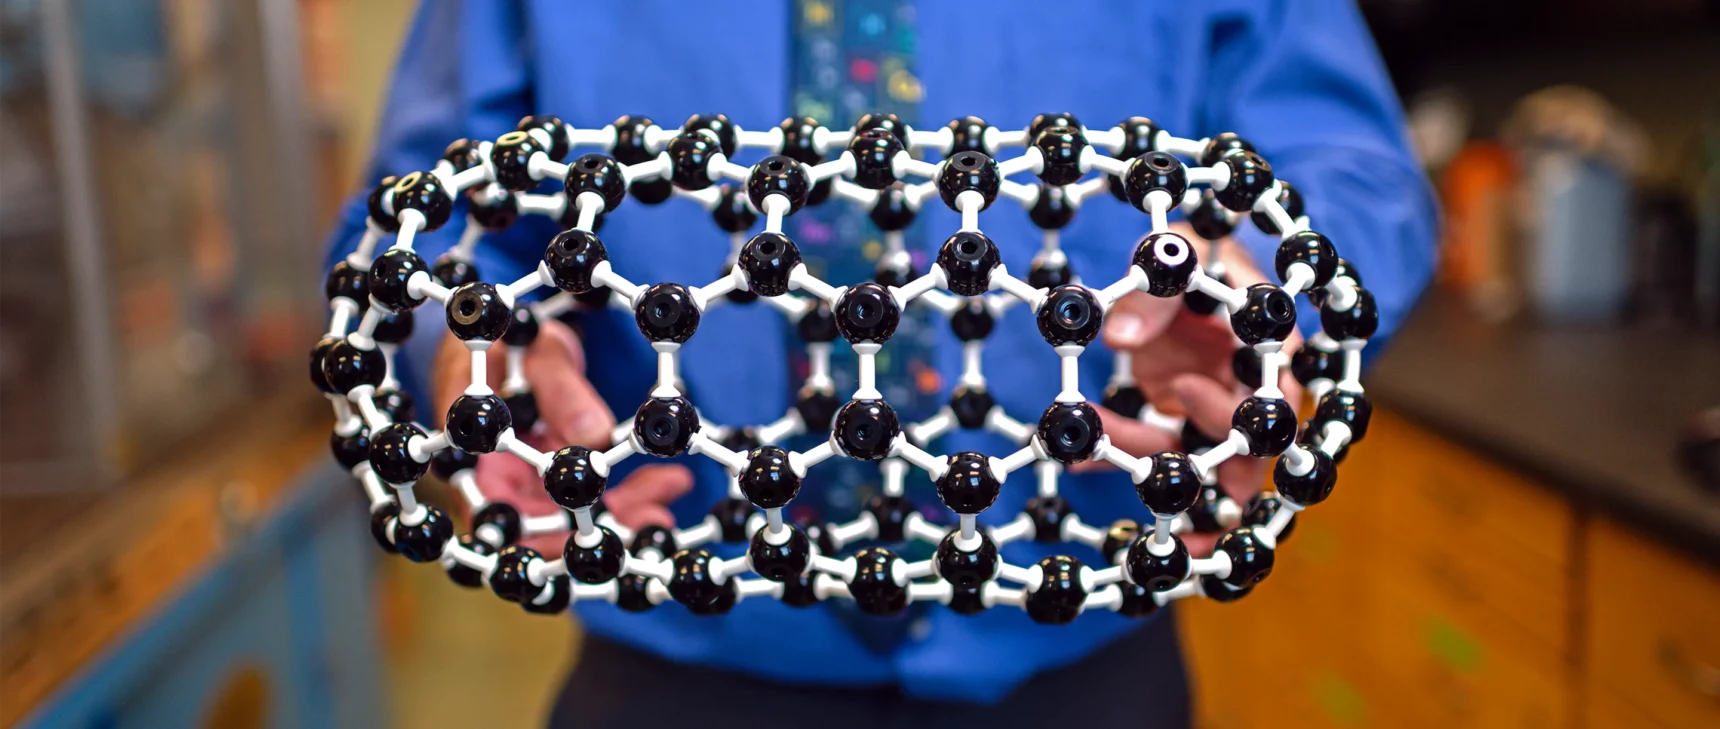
(863, 432)
(1073, 313)
(967, 247)
(1278, 308)
(662, 429)
(774, 165)
(767, 247)
(591, 164)
(864, 312)
(1070, 435)
(967, 161)
(1160, 163)
(1172, 250)
(468, 307)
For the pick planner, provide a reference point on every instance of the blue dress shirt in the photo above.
(1299, 78)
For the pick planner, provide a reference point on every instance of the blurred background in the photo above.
(1534, 539)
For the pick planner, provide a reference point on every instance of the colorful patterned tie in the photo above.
(853, 57)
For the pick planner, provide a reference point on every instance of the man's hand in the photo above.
(570, 413)
(1181, 361)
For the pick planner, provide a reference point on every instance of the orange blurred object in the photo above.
(1476, 257)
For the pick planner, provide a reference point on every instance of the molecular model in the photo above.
(1147, 563)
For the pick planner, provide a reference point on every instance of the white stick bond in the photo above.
(1046, 448)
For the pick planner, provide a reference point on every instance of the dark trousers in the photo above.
(1137, 681)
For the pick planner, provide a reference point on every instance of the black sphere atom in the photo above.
(1268, 314)
(510, 157)
(968, 486)
(1059, 595)
(666, 313)
(352, 449)
(1169, 262)
(874, 154)
(1250, 559)
(424, 541)
(1048, 514)
(1360, 321)
(391, 277)
(377, 212)
(1268, 423)
(347, 367)
(504, 518)
(1155, 171)
(1051, 209)
(966, 171)
(1046, 120)
(1223, 144)
(865, 429)
(476, 422)
(453, 272)
(818, 324)
(571, 480)
(768, 481)
(867, 313)
(475, 312)
(780, 562)
(424, 192)
(664, 426)
(554, 128)
(715, 126)
(1290, 199)
(967, 134)
(973, 321)
(874, 586)
(891, 211)
(1140, 136)
(968, 258)
(1060, 147)
(595, 564)
(768, 259)
(572, 257)
(346, 281)
(779, 175)
(1153, 571)
(1313, 486)
(1127, 400)
(971, 405)
(1344, 406)
(966, 568)
(596, 173)
(1310, 248)
(1171, 487)
(1071, 314)
(817, 408)
(1209, 219)
(1069, 431)
(689, 160)
(450, 461)
(1250, 177)
(884, 121)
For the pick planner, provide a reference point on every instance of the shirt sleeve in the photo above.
(1302, 80)
(463, 71)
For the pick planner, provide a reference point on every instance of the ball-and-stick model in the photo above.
(372, 297)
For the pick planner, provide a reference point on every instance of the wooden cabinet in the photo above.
(1653, 633)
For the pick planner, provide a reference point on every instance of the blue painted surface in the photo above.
(292, 600)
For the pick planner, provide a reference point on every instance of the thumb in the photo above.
(1138, 318)
(573, 412)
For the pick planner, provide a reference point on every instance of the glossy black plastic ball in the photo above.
(891, 514)
(1069, 431)
(629, 147)
(463, 154)
(319, 353)
(1169, 262)
(888, 273)
(1070, 315)
(1218, 590)
(523, 404)
(818, 324)
(666, 313)
(1125, 400)
(865, 429)
(1360, 321)
(504, 518)
(1343, 269)
(1061, 148)
(424, 192)
(511, 578)
(1137, 601)
(1310, 363)
(398, 405)
(632, 594)
(1171, 487)
(1250, 559)
(664, 425)
(595, 564)
(768, 481)
(817, 408)
(799, 140)
(689, 160)
(1250, 177)
(971, 405)
(1059, 595)
(1048, 514)
(1118, 537)
(968, 258)
(1155, 572)
(768, 259)
(450, 461)
(691, 583)
(424, 541)
(741, 440)
(1309, 488)
(1140, 136)
(967, 134)
(381, 517)
(346, 281)
(523, 327)
(1268, 314)
(874, 154)
(394, 328)
(1310, 248)
(352, 449)
(493, 213)
(883, 121)
(653, 537)
(1051, 209)
(1221, 145)
(780, 562)
(967, 600)
(1046, 275)
(867, 313)
(965, 569)
(891, 211)
(554, 128)
(1204, 516)
(596, 173)
(733, 213)
(779, 175)
(966, 171)
(461, 574)
(552, 599)
(973, 321)
(511, 155)
(718, 127)
(390, 278)
(571, 480)
(452, 272)
(475, 312)
(874, 585)
(476, 422)
(731, 515)
(1259, 512)
(969, 486)
(1155, 171)
(346, 367)
(1209, 219)
(374, 208)
(1290, 199)
(1343, 406)
(1269, 424)
(1046, 120)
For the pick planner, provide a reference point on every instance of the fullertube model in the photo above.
(373, 295)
